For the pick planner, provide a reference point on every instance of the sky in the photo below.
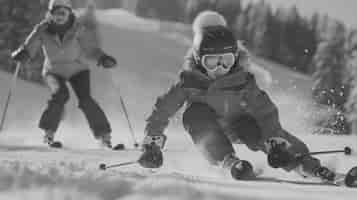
(344, 10)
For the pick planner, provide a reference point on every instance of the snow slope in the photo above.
(149, 62)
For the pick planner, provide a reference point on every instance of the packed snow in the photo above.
(126, 19)
(148, 63)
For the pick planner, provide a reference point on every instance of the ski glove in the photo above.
(107, 61)
(278, 154)
(20, 55)
(152, 155)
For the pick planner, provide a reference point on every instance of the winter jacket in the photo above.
(230, 96)
(71, 55)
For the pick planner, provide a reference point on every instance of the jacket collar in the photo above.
(68, 34)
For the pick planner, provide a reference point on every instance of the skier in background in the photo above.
(68, 43)
(224, 106)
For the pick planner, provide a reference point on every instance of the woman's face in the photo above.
(60, 15)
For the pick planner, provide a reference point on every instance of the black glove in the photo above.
(20, 55)
(278, 154)
(151, 157)
(107, 61)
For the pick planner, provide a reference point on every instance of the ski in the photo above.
(339, 182)
(119, 147)
(348, 179)
(56, 145)
(351, 177)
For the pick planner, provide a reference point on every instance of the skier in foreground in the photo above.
(68, 42)
(225, 106)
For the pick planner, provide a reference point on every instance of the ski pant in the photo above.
(54, 111)
(208, 134)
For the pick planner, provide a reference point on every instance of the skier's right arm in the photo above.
(169, 103)
(165, 107)
(31, 45)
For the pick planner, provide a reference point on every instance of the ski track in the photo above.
(29, 170)
(40, 173)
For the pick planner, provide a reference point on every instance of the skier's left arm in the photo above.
(89, 40)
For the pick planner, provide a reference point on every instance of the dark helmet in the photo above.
(214, 40)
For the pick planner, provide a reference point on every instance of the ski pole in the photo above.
(136, 145)
(12, 87)
(123, 106)
(347, 151)
(104, 166)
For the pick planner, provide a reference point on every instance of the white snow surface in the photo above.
(126, 19)
(148, 64)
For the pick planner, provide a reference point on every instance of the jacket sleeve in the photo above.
(165, 107)
(33, 42)
(89, 37)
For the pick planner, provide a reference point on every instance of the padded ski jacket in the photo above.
(230, 96)
(69, 56)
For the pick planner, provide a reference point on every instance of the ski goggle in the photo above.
(60, 12)
(212, 61)
(60, 15)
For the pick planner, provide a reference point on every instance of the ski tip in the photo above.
(56, 144)
(119, 147)
(351, 177)
(348, 151)
(102, 166)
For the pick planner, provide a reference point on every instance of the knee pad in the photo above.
(246, 128)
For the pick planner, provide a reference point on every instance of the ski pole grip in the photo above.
(348, 150)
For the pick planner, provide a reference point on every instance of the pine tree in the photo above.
(351, 56)
(304, 46)
(259, 30)
(241, 23)
(194, 7)
(282, 53)
(329, 87)
(230, 9)
(293, 40)
(160, 9)
(17, 18)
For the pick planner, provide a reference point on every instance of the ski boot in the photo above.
(239, 169)
(49, 139)
(325, 174)
(105, 141)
